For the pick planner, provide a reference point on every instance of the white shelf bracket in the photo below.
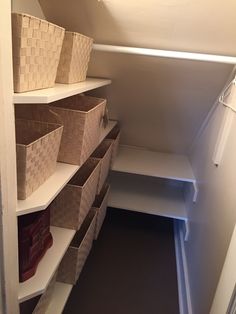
(196, 190)
(187, 230)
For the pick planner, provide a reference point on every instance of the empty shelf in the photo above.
(45, 194)
(155, 164)
(60, 295)
(47, 266)
(147, 195)
(59, 91)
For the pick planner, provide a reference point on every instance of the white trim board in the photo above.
(185, 303)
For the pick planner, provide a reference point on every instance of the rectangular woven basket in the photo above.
(78, 251)
(74, 58)
(81, 117)
(114, 135)
(37, 147)
(36, 52)
(100, 205)
(103, 152)
(72, 205)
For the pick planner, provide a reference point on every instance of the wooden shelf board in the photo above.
(60, 295)
(47, 266)
(147, 195)
(59, 91)
(155, 164)
(45, 194)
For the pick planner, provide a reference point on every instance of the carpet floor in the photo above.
(131, 268)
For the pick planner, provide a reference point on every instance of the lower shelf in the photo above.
(60, 295)
(147, 195)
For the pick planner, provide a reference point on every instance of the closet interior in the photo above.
(115, 126)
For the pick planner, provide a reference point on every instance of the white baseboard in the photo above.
(185, 304)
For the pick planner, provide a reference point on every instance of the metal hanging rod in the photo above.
(166, 53)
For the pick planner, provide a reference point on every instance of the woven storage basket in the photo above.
(78, 251)
(114, 135)
(37, 150)
(103, 152)
(100, 205)
(74, 58)
(39, 304)
(72, 205)
(81, 117)
(36, 52)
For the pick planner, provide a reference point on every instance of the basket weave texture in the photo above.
(37, 150)
(81, 117)
(100, 205)
(78, 251)
(114, 135)
(46, 298)
(74, 58)
(36, 52)
(103, 153)
(72, 205)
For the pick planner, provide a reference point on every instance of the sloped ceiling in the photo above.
(161, 102)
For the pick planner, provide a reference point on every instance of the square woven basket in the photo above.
(81, 117)
(100, 205)
(36, 52)
(73, 203)
(74, 60)
(114, 135)
(37, 147)
(78, 251)
(103, 153)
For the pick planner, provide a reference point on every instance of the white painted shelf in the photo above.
(147, 195)
(149, 163)
(60, 295)
(47, 266)
(59, 91)
(45, 194)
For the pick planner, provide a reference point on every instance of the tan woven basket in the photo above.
(114, 135)
(74, 58)
(100, 205)
(36, 52)
(103, 153)
(81, 117)
(37, 150)
(72, 205)
(78, 251)
(39, 304)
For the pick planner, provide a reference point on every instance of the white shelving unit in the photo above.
(149, 163)
(59, 298)
(147, 195)
(59, 91)
(47, 266)
(45, 194)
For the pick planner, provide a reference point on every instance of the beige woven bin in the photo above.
(74, 58)
(100, 205)
(39, 305)
(36, 52)
(81, 117)
(37, 146)
(72, 205)
(114, 135)
(103, 153)
(78, 251)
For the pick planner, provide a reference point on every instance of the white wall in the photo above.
(213, 217)
(31, 7)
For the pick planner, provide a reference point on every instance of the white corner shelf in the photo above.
(149, 163)
(147, 195)
(47, 266)
(59, 91)
(46, 193)
(59, 298)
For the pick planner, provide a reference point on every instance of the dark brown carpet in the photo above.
(130, 270)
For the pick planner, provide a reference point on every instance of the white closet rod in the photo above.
(166, 53)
